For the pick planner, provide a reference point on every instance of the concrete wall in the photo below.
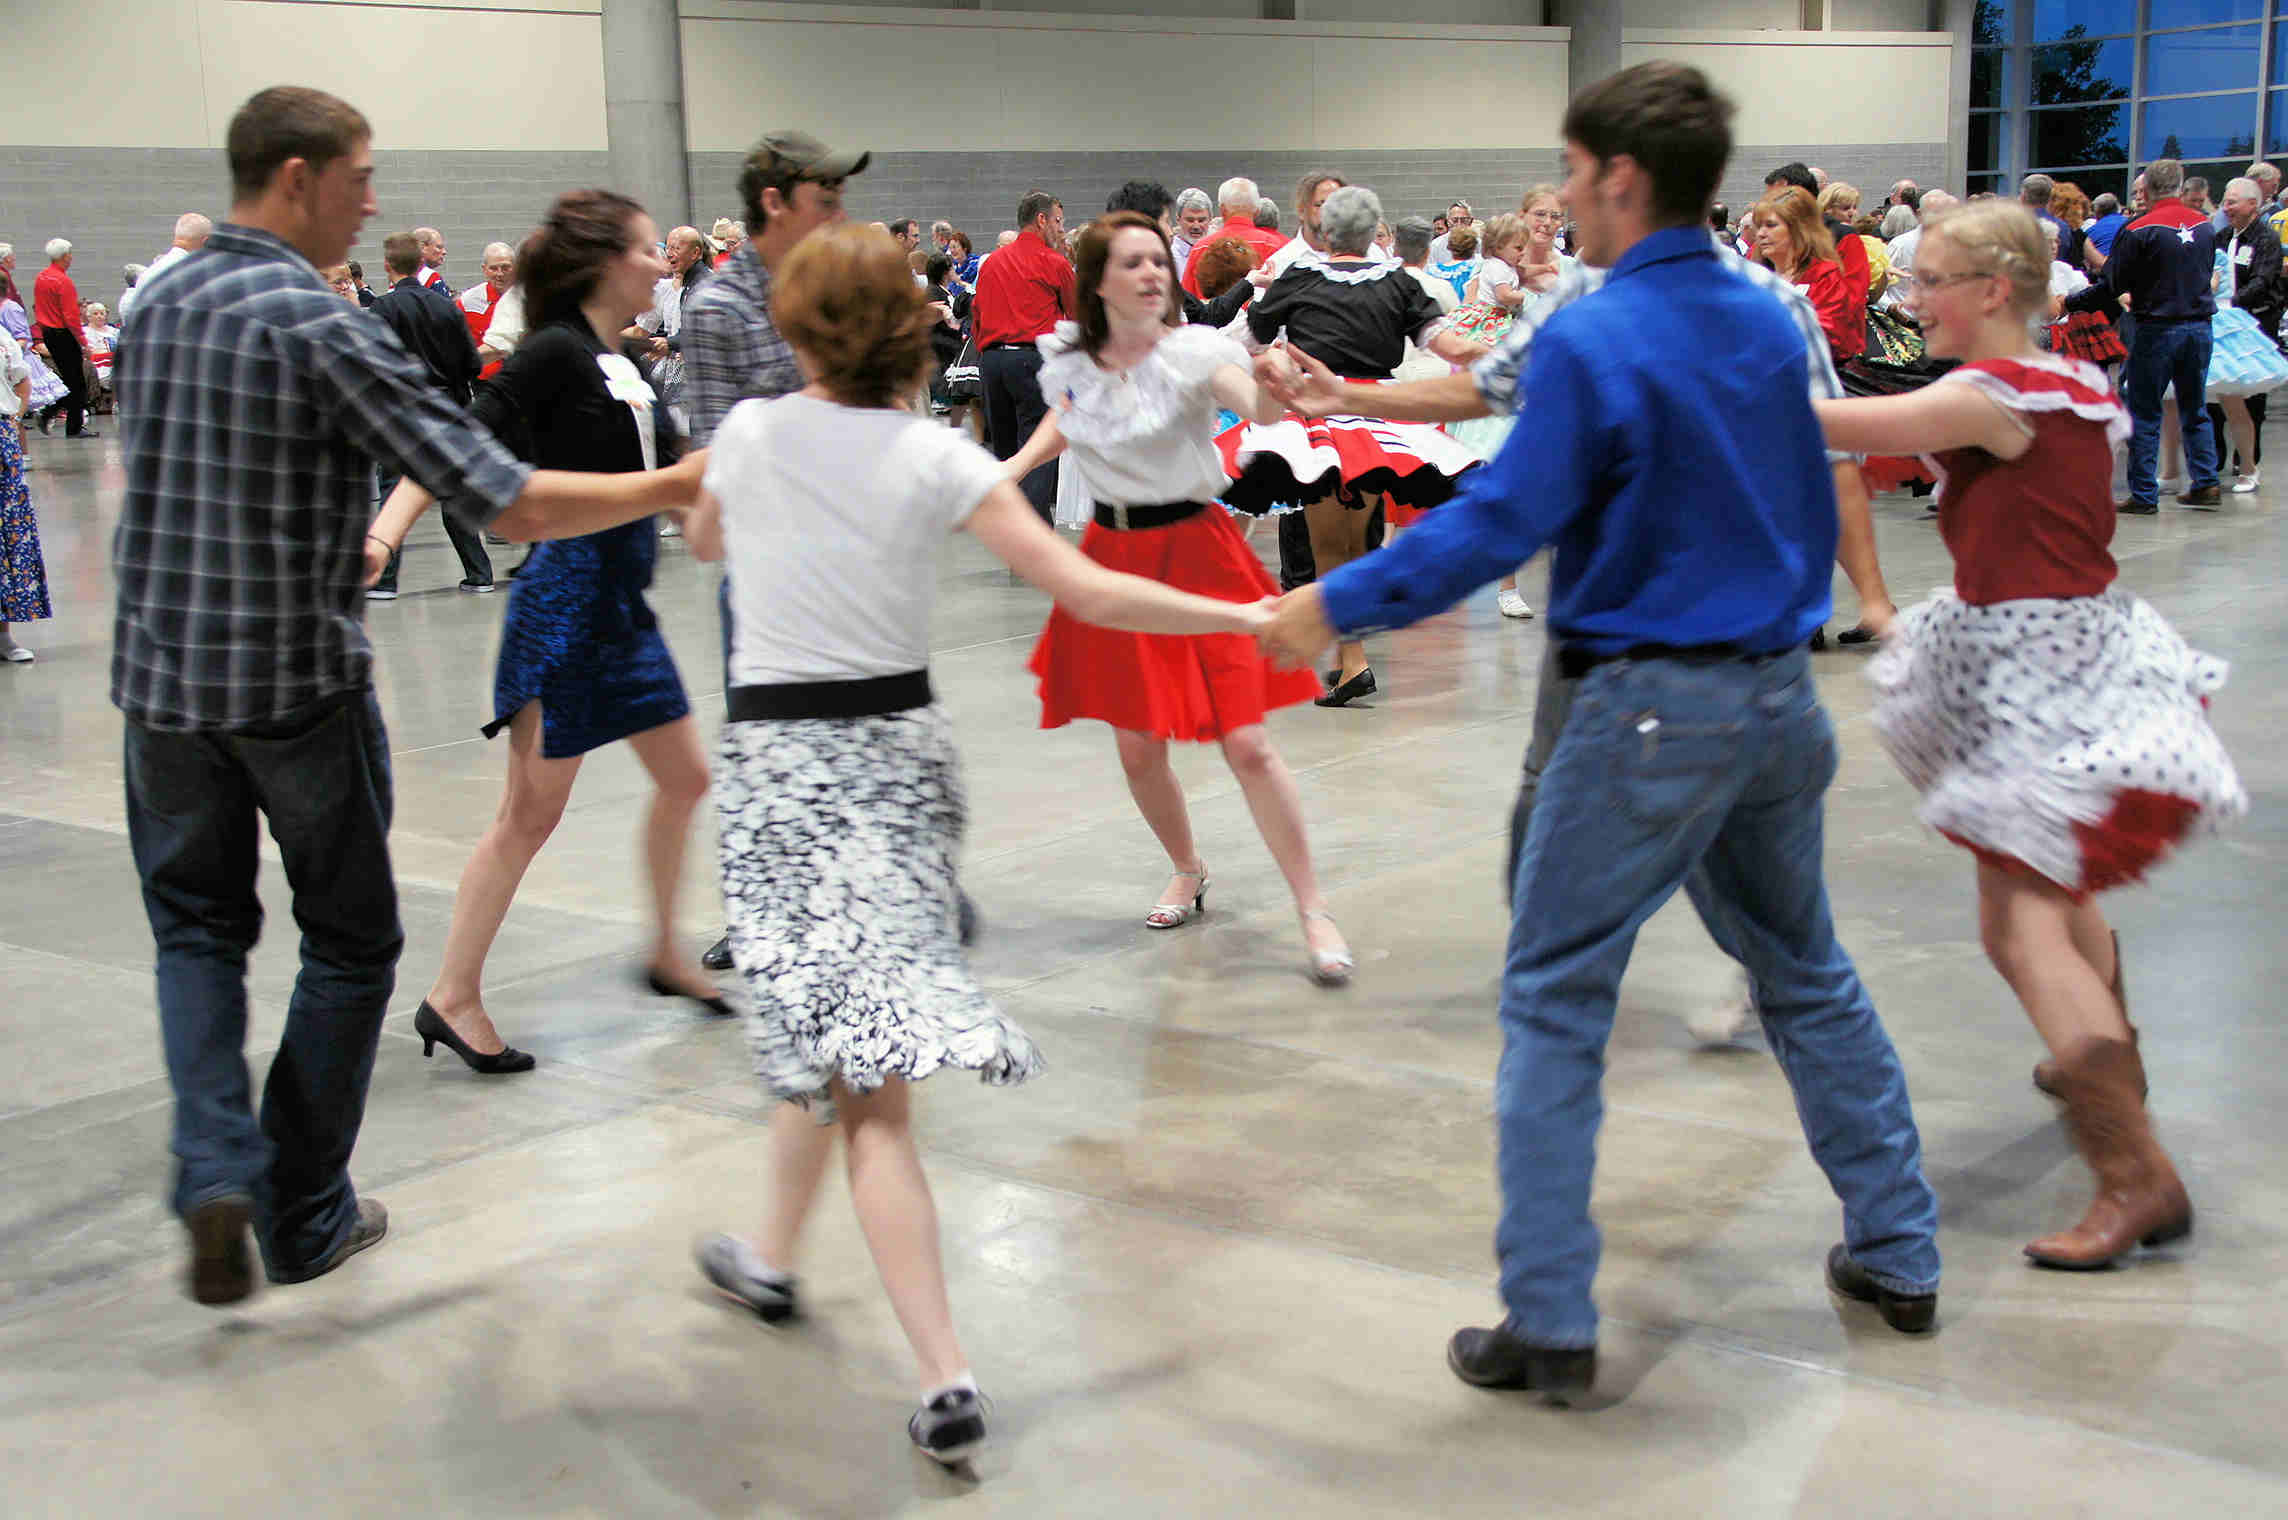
(484, 109)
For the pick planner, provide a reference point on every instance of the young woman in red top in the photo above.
(2055, 725)
(1791, 237)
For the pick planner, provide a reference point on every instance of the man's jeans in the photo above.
(2166, 356)
(1669, 774)
(193, 801)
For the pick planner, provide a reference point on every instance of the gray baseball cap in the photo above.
(813, 159)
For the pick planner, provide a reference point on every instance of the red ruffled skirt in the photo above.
(1194, 687)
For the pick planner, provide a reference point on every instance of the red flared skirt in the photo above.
(1194, 687)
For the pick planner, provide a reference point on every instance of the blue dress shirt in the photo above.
(1665, 444)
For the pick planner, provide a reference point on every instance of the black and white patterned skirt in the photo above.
(839, 839)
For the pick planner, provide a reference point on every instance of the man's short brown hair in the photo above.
(401, 253)
(1668, 118)
(1037, 203)
(287, 122)
(847, 299)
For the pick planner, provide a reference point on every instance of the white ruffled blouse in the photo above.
(1141, 435)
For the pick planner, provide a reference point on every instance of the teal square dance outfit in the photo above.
(580, 637)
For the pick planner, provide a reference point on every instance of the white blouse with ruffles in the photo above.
(1141, 435)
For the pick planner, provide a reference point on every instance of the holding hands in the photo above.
(1294, 630)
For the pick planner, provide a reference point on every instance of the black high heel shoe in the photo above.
(434, 1031)
(720, 1007)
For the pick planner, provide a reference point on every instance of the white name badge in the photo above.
(2243, 253)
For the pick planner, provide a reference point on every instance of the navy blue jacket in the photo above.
(2163, 262)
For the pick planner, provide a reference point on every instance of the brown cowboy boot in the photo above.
(2046, 1071)
(2140, 1200)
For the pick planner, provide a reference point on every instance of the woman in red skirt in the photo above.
(1133, 395)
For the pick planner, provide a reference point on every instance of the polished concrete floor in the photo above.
(1208, 1263)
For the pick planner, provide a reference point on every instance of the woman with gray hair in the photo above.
(1897, 222)
(1354, 315)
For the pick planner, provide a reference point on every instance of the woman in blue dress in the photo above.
(582, 663)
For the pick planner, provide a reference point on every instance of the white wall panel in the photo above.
(895, 83)
(1818, 87)
(151, 92)
(426, 78)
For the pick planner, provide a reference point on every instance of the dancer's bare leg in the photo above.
(1160, 798)
(800, 1146)
(534, 800)
(678, 767)
(2028, 927)
(1335, 541)
(899, 1217)
(2242, 427)
(1277, 807)
(1855, 549)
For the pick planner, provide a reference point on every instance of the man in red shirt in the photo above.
(1236, 199)
(478, 300)
(1023, 291)
(56, 313)
(432, 258)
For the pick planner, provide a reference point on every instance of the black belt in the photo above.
(1576, 660)
(1155, 515)
(1027, 347)
(867, 698)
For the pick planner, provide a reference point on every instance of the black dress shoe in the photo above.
(1907, 1313)
(88, 432)
(2134, 508)
(1857, 633)
(1498, 1359)
(972, 921)
(1360, 685)
(718, 1006)
(1819, 641)
(718, 956)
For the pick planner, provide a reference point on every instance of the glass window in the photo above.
(2276, 128)
(2054, 19)
(2206, 126)
(2221, 58)
(2076, 71)
(1989, 140)
(1978, 183)
(2280, 58)
(1990, 26)
(2167, 13)
(2095, 180)
(2077, 134)
(1990, 77)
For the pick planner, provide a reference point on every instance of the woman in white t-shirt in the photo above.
(1133, 395)
(836, 779)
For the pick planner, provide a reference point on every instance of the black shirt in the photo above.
(551, 406)
(1351, 315)
(431, 328)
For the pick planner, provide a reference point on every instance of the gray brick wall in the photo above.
(119, 204)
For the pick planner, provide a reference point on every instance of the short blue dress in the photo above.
(580, 637)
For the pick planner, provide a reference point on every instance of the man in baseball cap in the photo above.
(791, 185)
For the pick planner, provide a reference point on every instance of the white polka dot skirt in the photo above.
(2070, 736)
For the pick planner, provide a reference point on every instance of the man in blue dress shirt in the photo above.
(1665, 445)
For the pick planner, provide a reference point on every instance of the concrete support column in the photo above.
(1595, 51)
(643, 107)
(1956, 18)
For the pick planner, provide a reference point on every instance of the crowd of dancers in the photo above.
(1659, 411)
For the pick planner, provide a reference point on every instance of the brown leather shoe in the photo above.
(2046, 1071)
(2135, 508)
(2140, 1200)
(2204, 496)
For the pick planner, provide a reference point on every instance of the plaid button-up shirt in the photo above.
(254, 402)
(731, 348)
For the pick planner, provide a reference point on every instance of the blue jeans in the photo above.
(1710, 776)
(2165, 356)
(194, 803)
